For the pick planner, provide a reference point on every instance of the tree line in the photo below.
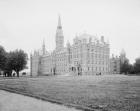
(12, 61)
(127, 68)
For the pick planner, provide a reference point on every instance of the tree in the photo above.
(125, 66)
(137, 65)
(17, 61)
(2, 58)
(8, 65)
(131, 69)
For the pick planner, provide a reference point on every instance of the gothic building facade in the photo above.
(88, 55)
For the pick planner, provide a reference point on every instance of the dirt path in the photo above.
(15, 102)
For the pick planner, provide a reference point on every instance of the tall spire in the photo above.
(43, 46)
(59, 22)
(59, 36)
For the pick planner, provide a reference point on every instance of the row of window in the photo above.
(92, 55)
(97, 69)
(60, 55)
(103, 51)
(97, 62)
(61, 64)
(58, 69)
(62, 70)
(60, 59)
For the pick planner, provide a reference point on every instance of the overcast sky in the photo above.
(24, 23)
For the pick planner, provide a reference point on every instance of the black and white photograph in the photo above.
(69, 55)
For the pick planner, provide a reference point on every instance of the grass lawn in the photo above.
(105, 93)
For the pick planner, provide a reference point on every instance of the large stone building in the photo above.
(87, 55)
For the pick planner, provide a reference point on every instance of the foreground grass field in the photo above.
(105, 93)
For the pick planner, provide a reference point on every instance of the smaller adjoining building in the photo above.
(115, 65)
(116, 61)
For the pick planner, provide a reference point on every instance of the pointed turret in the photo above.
(123, 52)
(122, 56)
(68, 44)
